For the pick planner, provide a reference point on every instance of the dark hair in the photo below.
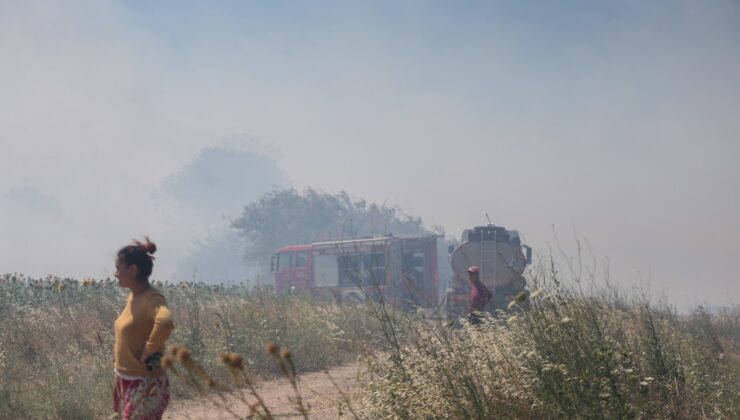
(140, 255)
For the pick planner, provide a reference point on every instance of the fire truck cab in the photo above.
(402, 268)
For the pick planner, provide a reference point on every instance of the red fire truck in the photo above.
(403, 268)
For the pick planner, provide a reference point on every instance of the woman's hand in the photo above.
(144, 356)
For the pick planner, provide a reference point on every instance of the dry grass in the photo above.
(726, 326)
(242, 386)
(564, 353)
(561, 353)
(56, 338)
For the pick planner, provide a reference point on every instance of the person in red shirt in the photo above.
(479, 295)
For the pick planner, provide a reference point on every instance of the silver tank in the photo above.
(501, 258)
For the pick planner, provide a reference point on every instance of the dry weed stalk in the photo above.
(195, 376)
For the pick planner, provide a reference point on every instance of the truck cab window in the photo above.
(284, 260)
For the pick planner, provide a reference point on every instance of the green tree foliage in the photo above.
(286, 216)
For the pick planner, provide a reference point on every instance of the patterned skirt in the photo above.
(141, 398)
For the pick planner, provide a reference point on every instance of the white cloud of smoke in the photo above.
(620, 118)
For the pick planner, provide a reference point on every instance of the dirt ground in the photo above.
(318, 392)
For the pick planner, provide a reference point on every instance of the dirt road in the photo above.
(318, 392)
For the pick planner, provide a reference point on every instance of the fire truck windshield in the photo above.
(292, 260)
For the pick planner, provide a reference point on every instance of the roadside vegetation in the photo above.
(578, 351)
(56, 338)
(555, 352)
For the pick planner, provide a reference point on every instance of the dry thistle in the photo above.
(521, 296)
(286, 354)
(167, 362)
(183, 355)
(237, 362)
(272, 348)
(233, 360)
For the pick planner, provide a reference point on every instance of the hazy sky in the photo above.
(622, 118)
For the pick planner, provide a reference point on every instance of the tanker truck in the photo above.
(501, 259)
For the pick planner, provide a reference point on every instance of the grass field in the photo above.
(557, 353)
(562, 352)
(56, 338)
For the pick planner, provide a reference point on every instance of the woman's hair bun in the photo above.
(147, 246)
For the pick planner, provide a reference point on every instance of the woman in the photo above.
(141, 386)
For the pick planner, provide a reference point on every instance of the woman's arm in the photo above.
(162, 328)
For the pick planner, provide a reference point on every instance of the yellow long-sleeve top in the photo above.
(144, 324)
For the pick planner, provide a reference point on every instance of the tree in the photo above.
(202, 198)
(288, 217)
